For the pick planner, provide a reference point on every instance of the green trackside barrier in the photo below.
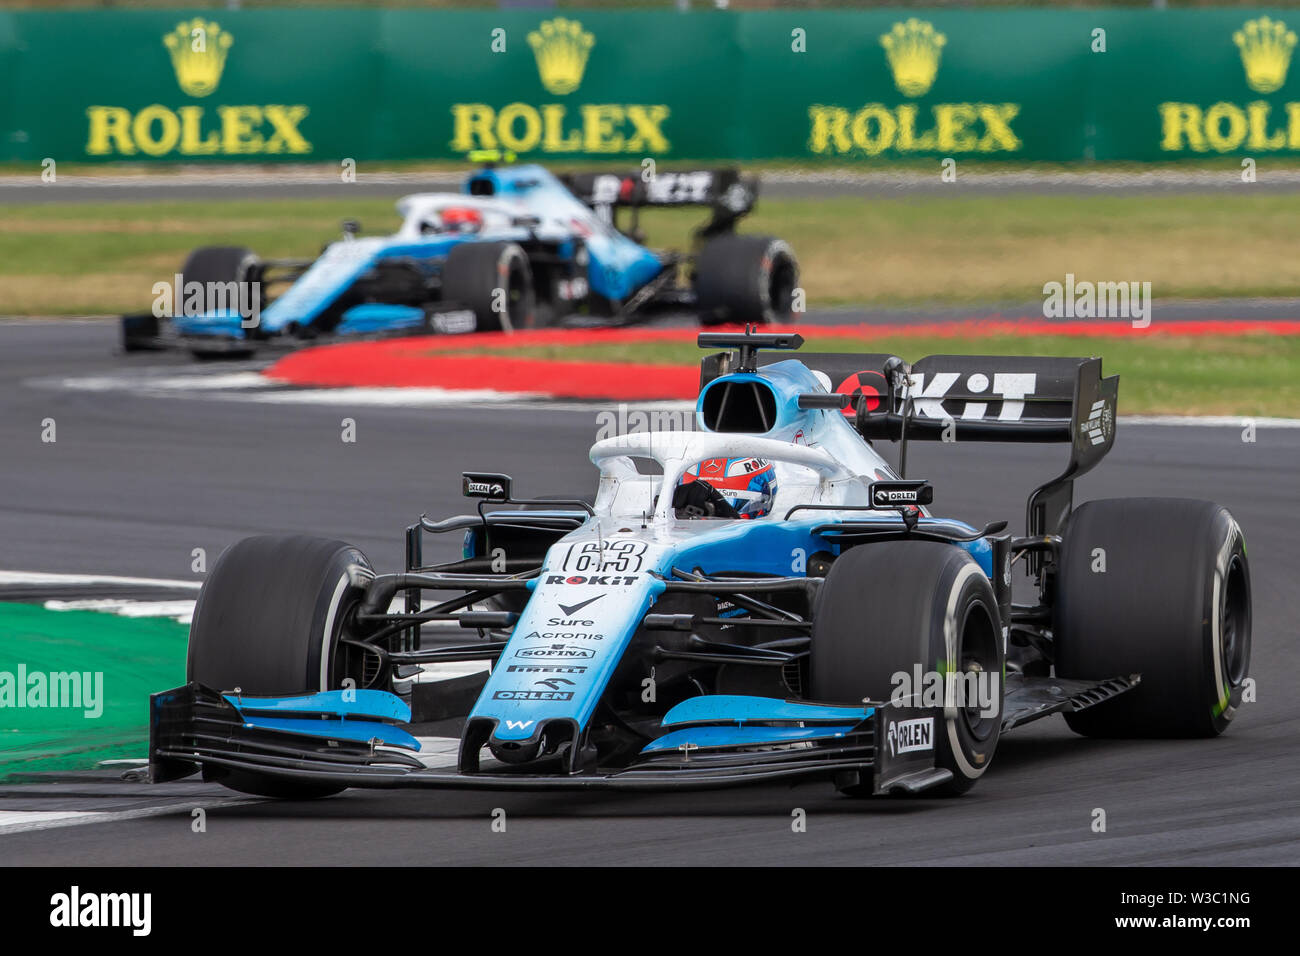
(75, 685)
(840, 86)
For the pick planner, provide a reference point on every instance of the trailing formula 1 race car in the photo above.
(763, 597)
(519, 248)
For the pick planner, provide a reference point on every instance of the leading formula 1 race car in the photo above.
(762, 597)
(518, 248)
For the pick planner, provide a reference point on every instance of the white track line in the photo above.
(252, 386)
(181, 611)
(1210, 421)
(74, 580)
(255, 387)
(393, 397)
(25, 821)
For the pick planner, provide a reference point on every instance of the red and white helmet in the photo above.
(461, 219)
(748, 484)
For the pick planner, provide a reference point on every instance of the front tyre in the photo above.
(231, 268)
(268, 622)
(1158, 587)
(886, 608)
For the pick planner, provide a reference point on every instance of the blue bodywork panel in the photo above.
(731, 708)
(358, 730)
(376, 704)
(378, 711)
(707, 737)
(378, 317)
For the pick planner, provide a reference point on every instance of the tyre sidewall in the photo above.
(964, 592)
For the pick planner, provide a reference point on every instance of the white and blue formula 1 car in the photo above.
(662, 639)
(518, 248)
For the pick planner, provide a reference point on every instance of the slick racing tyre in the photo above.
(494, 281)
(268, 622)
(745, 279)
(1158, 587)
(886, 608)
(220, 264)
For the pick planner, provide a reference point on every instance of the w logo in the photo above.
(518, 724)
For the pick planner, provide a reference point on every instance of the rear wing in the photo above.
(727, 193)
(987, 398)
(705, 187)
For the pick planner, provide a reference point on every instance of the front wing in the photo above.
(195, 728)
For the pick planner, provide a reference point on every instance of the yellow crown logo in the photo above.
(561, 47)
(913, 50)
(198, 50)
(1266, 47)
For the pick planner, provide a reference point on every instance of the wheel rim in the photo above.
(780, 286)
(977, 653)
(1234, 624)
(517, 313)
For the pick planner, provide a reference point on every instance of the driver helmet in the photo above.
(461, 219)
(747, 484)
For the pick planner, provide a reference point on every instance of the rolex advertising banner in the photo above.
(843, 87)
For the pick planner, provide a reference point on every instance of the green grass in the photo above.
(101, 258)
(132, 659)
(1166, 374)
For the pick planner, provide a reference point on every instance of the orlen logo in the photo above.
(554, 652)
(887, 497)
(905, 736)
(618, 580)
(533, 695)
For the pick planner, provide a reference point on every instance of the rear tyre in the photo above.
(886, 608)
(268, 622)
(495, 281)
(745, 279)
(1158, 587)
(220, 264)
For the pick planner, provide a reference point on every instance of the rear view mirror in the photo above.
(493, 487)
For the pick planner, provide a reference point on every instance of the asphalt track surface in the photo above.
(134, 483)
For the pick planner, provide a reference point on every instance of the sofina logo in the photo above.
(913, 49)
(1265, 47)
(561, 47)
(198, 50)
